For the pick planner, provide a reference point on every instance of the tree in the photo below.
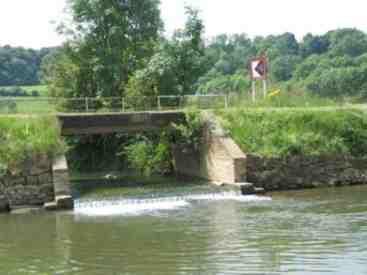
(108, 41)
(314, 45)
(351, 42)
(283, 67)
(177, 64)
(20, 66)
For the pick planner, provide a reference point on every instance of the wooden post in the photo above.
(123, 104)
(265, 88)
(253, 91)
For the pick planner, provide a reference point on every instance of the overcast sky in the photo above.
(27, 22)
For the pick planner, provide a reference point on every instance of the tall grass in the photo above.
(290, 99)
(298, 132)
(23, 137)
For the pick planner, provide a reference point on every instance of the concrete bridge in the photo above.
(219, 159)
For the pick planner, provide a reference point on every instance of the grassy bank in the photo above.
(22, 137)
(298, 131)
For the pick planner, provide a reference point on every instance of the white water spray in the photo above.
(123, 207)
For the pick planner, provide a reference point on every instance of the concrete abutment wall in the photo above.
(218, 158)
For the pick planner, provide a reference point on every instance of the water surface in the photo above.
(192, 230)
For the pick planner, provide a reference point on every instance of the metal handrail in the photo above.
(109, 104)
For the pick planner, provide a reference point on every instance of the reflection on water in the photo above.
(313, 232)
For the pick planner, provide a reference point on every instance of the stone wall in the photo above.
(305, 172)
(28, 184)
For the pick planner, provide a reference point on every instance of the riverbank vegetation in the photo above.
(292, 132)
(25, 137)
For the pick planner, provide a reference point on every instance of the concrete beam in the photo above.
(85, 124)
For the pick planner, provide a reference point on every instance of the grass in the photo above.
(283, 100)
(298, 131)
(23, 137)
(26, 106)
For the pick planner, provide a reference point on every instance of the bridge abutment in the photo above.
(218, 158)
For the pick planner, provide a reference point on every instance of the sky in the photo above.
(28, 23)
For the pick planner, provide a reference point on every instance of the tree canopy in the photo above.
(108, 40)
(20, 66)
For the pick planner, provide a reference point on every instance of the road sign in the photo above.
(259, 68)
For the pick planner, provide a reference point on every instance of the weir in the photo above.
(219, 160)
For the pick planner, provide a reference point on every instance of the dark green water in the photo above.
(184, 232)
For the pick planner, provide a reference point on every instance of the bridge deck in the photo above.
(83, 124)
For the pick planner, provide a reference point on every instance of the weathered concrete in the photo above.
(218, 159)
(82, 124)
(61, 181)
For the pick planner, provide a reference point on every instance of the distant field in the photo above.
(42, 89)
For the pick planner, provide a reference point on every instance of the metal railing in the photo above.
(36, 105)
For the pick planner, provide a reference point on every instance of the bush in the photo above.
(151, 154)
(149, 157)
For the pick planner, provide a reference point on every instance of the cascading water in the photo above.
(119, 206)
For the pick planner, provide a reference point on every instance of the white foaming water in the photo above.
(137, 207)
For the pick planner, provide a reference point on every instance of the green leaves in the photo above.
(109, 40)
(287, 133)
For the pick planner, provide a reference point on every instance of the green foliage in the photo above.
(283, 67)
(298, 132)
(24, 137)
(148, 157)
(19, 66)
(108, 41)
(96, 152)
(188, 133)
(26, 91)
(236, 83)
(176, 65)
(330, 65)
(151, 154)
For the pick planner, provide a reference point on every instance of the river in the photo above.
(192, 230)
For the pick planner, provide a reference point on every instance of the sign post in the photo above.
(259, 71)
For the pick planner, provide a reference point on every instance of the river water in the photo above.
(192, 230)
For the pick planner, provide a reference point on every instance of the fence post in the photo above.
(181, 102)
(159, 103)
(123, 104)
(226, 99)
(86, 105)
